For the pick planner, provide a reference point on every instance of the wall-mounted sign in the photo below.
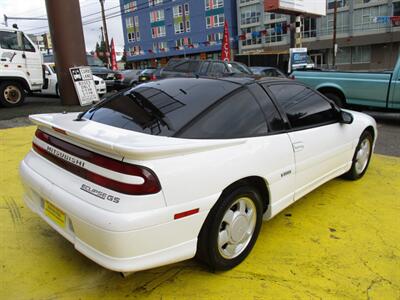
(84, 85)
(297, 7)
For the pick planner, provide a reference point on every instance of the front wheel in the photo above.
(11, 94)
(361, 158)
(231, 229)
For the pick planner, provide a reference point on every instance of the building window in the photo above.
(215, 21)
(179, 28)
(396, 9)
(361, 2)
(160, 46)
(157, 15)
(181, 18)
(325, 24)
(155, 2)
(343, 56)
(177, 11)
(364, 18)
(340, 3)
(309, 27)
(215, 37)
(130, 6)
(276, 32)
(213, 4)
(250, 14)
(135, 50)
(186, 41)
(158, 31)
(251, 38)
(361, 55)
(132, 28)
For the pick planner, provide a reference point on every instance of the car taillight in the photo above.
(150, 184)
(153, 77)
(119, 76)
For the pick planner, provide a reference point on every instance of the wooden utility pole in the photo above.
(69, 49)
(334, 46)
(105, 32)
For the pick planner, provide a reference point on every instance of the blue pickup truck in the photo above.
(375, 90)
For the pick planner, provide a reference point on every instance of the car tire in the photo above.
(361, 158)
(11, 94)
(335, 98)
(231, 228)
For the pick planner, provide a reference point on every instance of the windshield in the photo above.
(238, 68)
(94, 61)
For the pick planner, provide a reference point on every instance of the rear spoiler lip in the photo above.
(144, 152)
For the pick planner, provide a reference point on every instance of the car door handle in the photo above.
(298, 146)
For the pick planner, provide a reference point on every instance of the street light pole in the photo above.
(105, 32)
(334, 46)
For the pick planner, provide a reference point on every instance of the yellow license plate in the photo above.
(54, 213)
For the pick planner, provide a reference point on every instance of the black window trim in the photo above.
(270, 131)
(281, 110)
(212, 106)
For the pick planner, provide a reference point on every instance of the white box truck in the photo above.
(20, 67)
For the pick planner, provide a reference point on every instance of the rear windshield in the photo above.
(162, 107)
(183, 66)
(149, 71)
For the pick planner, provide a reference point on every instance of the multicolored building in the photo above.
(156, 30)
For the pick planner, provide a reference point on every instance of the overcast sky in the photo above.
(37, 8)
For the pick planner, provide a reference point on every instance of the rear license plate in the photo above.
(54, 213)
(142, 78)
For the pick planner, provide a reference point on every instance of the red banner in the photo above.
(226, 45)
(114, 65)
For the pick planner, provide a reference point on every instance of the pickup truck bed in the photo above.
(368, 89)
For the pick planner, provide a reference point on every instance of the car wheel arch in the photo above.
(332, 90)
(257, 182)
(371, 130)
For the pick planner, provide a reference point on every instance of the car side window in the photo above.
(218, 68)
(236, 116)
(204, 67)
(183, 67)
(303, 106)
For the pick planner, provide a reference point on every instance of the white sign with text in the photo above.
(84, 85)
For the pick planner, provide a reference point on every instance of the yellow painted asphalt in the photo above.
(340, 242)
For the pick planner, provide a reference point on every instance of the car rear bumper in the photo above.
(130, 248)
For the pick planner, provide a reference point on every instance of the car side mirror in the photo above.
(47, 72)
(346, 117)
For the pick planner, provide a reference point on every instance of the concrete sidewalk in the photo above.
(340, 242)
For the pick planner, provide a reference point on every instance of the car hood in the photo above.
(125, 143)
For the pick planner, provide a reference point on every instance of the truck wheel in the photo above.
(335, 98)
(11, 94)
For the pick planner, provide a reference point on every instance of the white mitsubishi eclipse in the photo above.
(187, 167)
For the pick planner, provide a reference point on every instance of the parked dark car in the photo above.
(209, 68)
(148, 74)
(126, 78)
(267, 72)
(96, 65)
